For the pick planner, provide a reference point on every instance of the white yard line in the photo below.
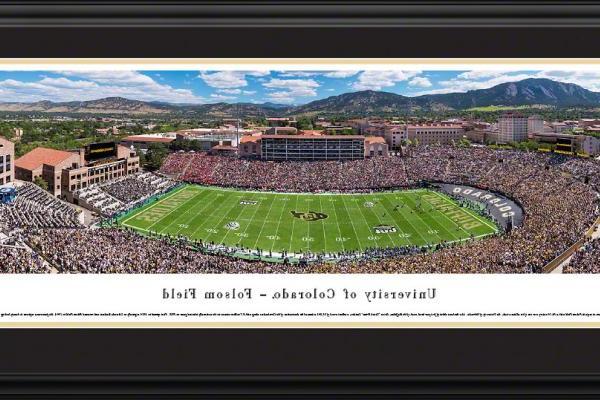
(337, 222)
(178, 218)
(264, 220)
(378, 219)
(407, 219)
(209, 203)
(256, 208)
(223, 218)
(172, 211)
(323, 226)
(198, 212)
(279, 224)
(293, 223)
(353, 227)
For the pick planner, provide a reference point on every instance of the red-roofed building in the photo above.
(47, 164)
(376, 146)
(250, 146)
(223, 150)
(67, 171)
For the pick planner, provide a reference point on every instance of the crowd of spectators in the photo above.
(15, 260)
(586, 260)
(16, 257)
(113, 197)
(111, 250)
(291, 176)
(557, 195)
(134, 188)
(177, 163)
(36, 208)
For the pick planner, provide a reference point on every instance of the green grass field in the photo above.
(317, 223)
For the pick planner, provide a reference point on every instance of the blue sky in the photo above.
(285, 87)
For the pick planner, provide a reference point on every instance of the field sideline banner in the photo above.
(193, 300)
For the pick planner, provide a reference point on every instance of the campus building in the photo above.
(535, 124)
(7, 159)
(250, 146)
(442, 133)
(395, 136)
(376, 146)
(67, 171)
(512, 127)
(435, 133)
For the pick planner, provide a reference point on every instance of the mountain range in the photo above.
(532, 91)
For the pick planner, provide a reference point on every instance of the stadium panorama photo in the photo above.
(300, 171)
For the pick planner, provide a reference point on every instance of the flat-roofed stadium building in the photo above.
(7, 159)
(312, 148)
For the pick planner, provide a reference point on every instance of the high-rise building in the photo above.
(535, 124)
(512, 127)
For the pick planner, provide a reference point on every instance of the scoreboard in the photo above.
(98, 151)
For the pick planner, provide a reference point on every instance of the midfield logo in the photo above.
(309, 216)
(385, 229)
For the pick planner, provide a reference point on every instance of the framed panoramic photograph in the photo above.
(299, 199)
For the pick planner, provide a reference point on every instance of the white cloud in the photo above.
(420, 82)
(249, 92)
(587, 79)
(309, 74)
(280, 97)
(229, 79)
(95, 85)
(464, 85)
(377, 80)
(480, 74)
(121, 78)
(340, 74)
(473, 80)
(287, 90)
(230, 91)
(224, 79)
(298, 74)
(66, 83)
(220, 97)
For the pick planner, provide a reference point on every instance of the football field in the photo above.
(299, 223)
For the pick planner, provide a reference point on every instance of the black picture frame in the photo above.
(299, 363)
